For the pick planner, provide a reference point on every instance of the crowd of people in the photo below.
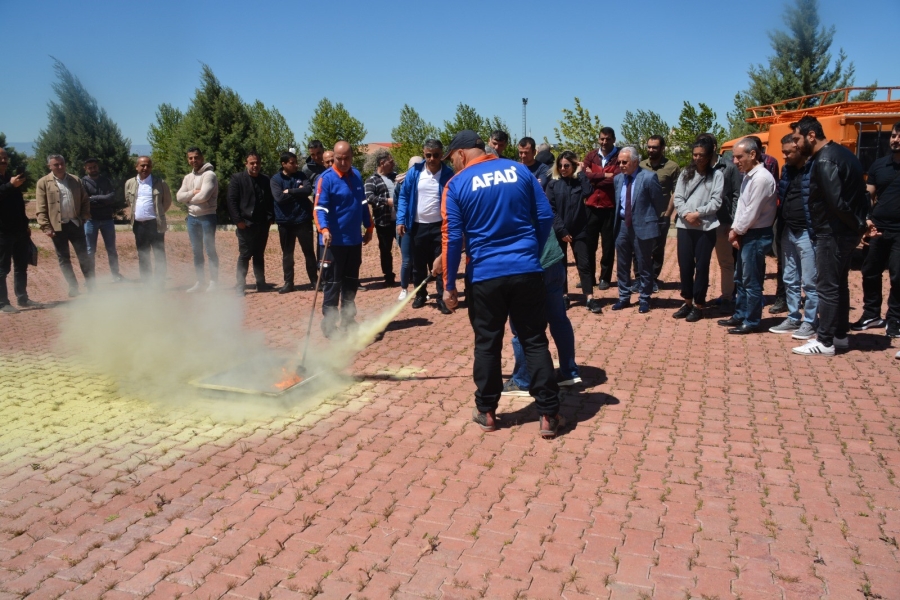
(516, 222)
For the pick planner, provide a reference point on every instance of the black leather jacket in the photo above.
(837, 192)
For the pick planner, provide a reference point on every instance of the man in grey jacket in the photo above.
(200, 192)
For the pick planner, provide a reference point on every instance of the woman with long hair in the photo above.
(698, 195)
(567, 190)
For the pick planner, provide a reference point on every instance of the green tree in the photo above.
(271, 135)
(577, 130)
(466, 117)
(167, 156)
(332, 123)
(866, 96)
(637, 127)
(16, 159)
(409, 135)
(801, 64)
(691, 123)
(78, 128)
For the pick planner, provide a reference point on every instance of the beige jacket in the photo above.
(47, 200)
(162, 200)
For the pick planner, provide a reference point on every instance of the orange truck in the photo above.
(863, 126)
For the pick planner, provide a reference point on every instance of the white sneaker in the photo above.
(212, 286)
(813, 347)
(403, 294)
(897, 355)
(193, 288)
(841, 343)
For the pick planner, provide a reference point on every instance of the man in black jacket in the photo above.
(293, 214)
(14, 237)
(251, 208)
(837, 209)
(315, 162)
(102, 195)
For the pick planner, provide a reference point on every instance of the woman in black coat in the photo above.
(567, 190)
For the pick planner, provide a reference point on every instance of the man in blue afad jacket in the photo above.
(498, 211)
(340, 212)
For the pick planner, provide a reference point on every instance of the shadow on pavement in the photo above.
(869, 342)
(407, 324)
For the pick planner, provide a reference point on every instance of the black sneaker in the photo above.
(695, 315)
(594, 306)
(550, 425)
(867, 323)
(893, 328)
(443, 308)
(419, 302)
(487, 421)
(778, 307)
(603, 285)
(682, 312)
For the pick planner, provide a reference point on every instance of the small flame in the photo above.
(289, 379)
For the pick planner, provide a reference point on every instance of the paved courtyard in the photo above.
(696, 465)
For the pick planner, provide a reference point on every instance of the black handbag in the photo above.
(32, 254)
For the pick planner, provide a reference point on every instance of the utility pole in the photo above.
(524, 119)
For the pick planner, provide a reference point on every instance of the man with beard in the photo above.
(600, 167)
(666, 171)
(251, 207)
(102, 197)
(838, 208)
(883, 223)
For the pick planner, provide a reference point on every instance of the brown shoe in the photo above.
(549, 425)
(487, 421)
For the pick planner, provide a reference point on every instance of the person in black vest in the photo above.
(251, 208)
(293, 214)
(883, 231)
(14, 238)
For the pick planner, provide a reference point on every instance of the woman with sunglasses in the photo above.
(698, 195)
(567, 189)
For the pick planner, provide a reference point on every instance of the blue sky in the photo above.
(374, 57)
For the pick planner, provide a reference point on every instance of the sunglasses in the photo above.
(622, 162)
(430, 155)
(565, 166)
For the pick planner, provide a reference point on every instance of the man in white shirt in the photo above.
(62, 208)
(751, 234)
(150, 199)
(419, 216)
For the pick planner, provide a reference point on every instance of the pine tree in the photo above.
(78, 128)
(800, 65)
(167, 156)
(271, 136)
(691, 123)
(412, 131)
(578, 130)
(637, 127)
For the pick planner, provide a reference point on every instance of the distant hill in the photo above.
(28, 148)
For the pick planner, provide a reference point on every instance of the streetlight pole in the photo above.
(524, 118)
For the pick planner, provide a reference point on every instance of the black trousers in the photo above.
(695, 250)
(149, 241)
(252, 242)
(884, 253)
(73, 234)
(582, 264)
(289, 234)
(386, 235)
(521, 299)
(14, 253)
(600, 231)
(426, 247)
(833, 268)
(340, 277)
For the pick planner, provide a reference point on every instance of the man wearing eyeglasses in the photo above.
(666, 171)
(419, 216)
(639, 202)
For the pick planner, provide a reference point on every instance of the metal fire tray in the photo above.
(259, 376)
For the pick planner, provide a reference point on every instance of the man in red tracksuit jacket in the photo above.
(600, 168)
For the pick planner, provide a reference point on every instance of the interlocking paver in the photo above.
(701, 466)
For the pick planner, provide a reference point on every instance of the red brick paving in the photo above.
(697, 465)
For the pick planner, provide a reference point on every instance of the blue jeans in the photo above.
(202, 233)
(405, 243)
(560, 329)
(800, 270)
(107, 229)
(749, 271)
